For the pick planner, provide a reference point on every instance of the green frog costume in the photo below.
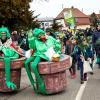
(40, 46)
(7, 53)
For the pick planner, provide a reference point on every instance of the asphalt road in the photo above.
(90, 90)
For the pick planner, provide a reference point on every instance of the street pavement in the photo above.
(91, 89)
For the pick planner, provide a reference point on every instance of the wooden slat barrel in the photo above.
(16, 66)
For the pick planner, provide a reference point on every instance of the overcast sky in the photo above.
(53, 7)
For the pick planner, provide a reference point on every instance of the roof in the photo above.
(80, 17)
(45, 19)
(76, 13)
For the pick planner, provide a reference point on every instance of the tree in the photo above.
(16, 15)
(93, 19)
(56, 26)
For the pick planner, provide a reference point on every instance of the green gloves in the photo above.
(11, 85)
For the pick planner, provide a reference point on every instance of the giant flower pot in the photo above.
(54, 74)
(16, 66)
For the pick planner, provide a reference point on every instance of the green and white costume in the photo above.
(40, 48)
(8, 54)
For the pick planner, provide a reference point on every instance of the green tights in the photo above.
(7, 71)
(34, 66)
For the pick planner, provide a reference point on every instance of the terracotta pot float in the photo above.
(54, 74)
(16, 66)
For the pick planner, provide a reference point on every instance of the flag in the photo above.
(69, 19)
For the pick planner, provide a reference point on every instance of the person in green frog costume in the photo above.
(7, 53)
(40, 44)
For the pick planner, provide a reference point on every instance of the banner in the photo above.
(69, 19)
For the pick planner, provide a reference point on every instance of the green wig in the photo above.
(37, 32)
(5, 30)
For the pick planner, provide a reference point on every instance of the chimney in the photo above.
(72, 7)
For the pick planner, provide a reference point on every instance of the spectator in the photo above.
(15, 37)
(49, 32)
(23, 41)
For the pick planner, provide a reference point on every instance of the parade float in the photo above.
(47, 63)
(11, 62)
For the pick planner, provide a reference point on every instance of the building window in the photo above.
(46, 24)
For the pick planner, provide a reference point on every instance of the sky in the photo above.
(52, 8)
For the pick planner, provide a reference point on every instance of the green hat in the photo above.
(5, 30)
(37, 32)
